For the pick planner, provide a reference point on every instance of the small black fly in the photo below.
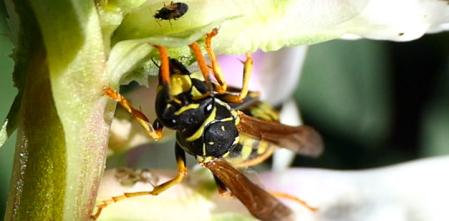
(173, 11)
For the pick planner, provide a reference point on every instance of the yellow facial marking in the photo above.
(195, 93)
(179, 84)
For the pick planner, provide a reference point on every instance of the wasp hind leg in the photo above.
(182, 172)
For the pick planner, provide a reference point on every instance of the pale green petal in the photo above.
(128, 55)
(270, 25)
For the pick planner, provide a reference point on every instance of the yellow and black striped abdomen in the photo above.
(249, 152)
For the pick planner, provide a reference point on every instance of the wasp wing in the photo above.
(301, 139)
(259, 203)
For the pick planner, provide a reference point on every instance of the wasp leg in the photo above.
(138, 115)
(182, 172)
(158, 127)
(247, 71)
(201, 61)
(294, 199)
(164, 68)
(218, 74)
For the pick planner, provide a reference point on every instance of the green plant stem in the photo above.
(63, 116)
(38, 176)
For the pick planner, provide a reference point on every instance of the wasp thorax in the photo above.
(219, 138)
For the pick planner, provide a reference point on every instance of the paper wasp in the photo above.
(224, 128)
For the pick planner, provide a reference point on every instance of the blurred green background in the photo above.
(375, 103)
(7, 94)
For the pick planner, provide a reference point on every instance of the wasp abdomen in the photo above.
(249, 152)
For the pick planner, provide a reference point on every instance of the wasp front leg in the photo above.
(195, 47)
(182, 172)
(164, 68)
(140, 117)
